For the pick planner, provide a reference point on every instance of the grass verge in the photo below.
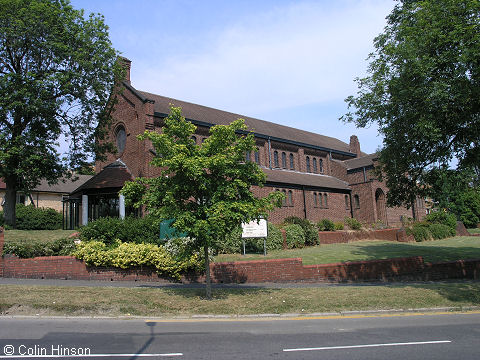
(107, 301)
(474, 231)
(32, 236)
(456, 248)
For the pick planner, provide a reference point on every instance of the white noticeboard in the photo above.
(254, 229)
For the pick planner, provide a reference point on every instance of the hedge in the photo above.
(295, 236)
(233, 242)
(31, 218)
(34, 249)
(326, 225)
(309, 229)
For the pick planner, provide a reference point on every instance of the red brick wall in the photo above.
(276, 270)
(334, 237)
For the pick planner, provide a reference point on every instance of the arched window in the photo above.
(120, 138)
(320, 200)
(257, 157)
(320, 162)
(325, 200)
(308, 164)
(284, 160)
(275, 159)
(315, 165)
(356, 201)
(247, 156)
(194, 138)
(347, 203)
(315, 202)
(290, 198)
(284, 202)
(291, 162)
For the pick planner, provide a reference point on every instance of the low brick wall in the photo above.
(276, 270)
(334, 237)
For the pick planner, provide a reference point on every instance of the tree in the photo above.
(57, 71)
(206, 188)
(423, 90)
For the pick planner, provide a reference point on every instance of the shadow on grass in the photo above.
(218, 293)
(466, 292)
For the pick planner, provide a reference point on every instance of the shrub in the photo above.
(353, 223)
(131, 229)
(126, 255)
(32, 218)
(233, 242)
(34, 249)
(311, 234)
(326, 225)
(2, 221)
(420, 232)
(295, 236)
(440, 231)
(442, 217)
(338, 225)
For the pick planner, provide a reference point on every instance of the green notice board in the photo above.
(167, 231)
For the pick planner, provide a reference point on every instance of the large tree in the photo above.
(423, 90)
(206, 188)
(57, 71)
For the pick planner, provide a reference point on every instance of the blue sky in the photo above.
(289, 62)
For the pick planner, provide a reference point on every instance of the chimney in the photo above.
(354, 145)
(126, 63)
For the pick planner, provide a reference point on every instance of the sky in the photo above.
(288, 62)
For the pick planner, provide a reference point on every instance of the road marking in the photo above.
(320, 317)
(369, 345)
(87, 356)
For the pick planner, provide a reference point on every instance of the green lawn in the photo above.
(433, 251)
(110, 301)
(36, 235)
(474, 231)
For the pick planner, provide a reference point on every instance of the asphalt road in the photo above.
(443, 336)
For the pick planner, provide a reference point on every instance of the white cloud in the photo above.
(295, 55)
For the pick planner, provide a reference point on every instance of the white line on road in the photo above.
(87, 356)
(369, 345)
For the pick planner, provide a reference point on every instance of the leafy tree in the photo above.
(207, 188)
(57, 71)
(423, 90)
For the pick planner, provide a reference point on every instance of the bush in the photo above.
(295, 236)
(2, 220)
(440, 231)
(442, 217)
(131, 229)
(338, 226)
(420, 232)
(311, 234)
(32, 218)
(233, 242)
(127, 255)
(326, 225)
(353, 223)
(29, 250)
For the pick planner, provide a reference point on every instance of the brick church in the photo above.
(321, 177)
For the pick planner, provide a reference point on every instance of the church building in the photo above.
(321, 177)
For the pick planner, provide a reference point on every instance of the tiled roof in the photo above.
(64, 186)
(113, 175)
(360, 162)
(305, 179)
(218, 117)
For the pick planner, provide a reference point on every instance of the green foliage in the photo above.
(440, 231)
(353, 223)
(1, 218)
(326, 225)
(419, 231)
(309, 229)
(131, 229)
(295, 236)
(421, 89)
(32, 218)
(205, 188)
(444, 218)
(233, 241)
(338, 225)
(58, 70)
(128, 255)
(33, 249)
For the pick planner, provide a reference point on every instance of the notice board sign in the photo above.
(255, 229)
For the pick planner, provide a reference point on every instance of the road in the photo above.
(440, 336)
